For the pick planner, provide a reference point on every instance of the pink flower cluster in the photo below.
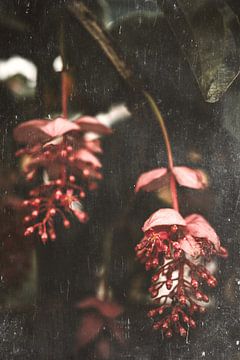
(178, 250)
(60, 153)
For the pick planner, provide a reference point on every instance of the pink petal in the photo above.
(90, 327)
(199, 227)
(29, 132)
(192, 178)
(190, 246)
(89, 123)
(86, 156)
(107, 309)
(59, 127)
(151, 180)
(163, 217)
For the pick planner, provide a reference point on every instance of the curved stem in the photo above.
(161, 121)
(64, 79)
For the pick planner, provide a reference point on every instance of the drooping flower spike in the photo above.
(178, 250)
(58, 148)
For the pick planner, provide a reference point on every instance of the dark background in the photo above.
(42, 324)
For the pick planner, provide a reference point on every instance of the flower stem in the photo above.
(161, 121)
(64, 81)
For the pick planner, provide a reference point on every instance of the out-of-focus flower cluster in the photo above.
(59, 152)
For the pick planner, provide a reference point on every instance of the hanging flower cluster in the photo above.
(58, 151)
(178, 251)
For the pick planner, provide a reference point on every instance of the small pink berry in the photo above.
(151, 313)
(194, 283)
(63, 153)
(176, 245)
(165, 325)
(29, 231)
(82, 194)
(212, 282)
(182, 331)
(169, 334)
(53, 236)
(59, 182)
(174, 229)
(72, 178)
(155, 263)
(44, 237)
(192, 323)
(155, 278)
(154, 293)
(86, 172)
(205, 298)
(35, 213)
(52, 211)
(183, 300)
(69, 148)
(199, 295)
(175, 317)
(66, 224)
(177, 254)
(58, 194)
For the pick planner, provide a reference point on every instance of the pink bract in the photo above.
(59, 127)
(86, 156)
(164, 217)
(29, 132)
(189, 245)
(198, 227)
(40, 130)
(153, 180)
(91, 124)
(192, 178)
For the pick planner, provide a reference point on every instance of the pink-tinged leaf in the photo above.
(91, 124)
(59, 127)
(189, 245)
(29, 132)
(191, 178)
(197, 226)
(106, 309)
(90, 327)
(86, 156)
(163, 217)
(152, 180)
